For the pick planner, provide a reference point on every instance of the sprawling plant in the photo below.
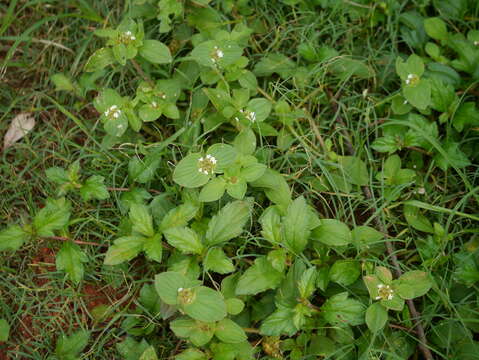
(246, 266)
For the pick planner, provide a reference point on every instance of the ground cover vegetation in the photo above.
(228, 180)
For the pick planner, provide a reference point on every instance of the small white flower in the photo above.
(405, 102)
(154, 104)
(421, 191)
(251, 116)
(180, 289)
(476, 43)
(207, 164)
(384, 292)
(163, 96)
(129, 36)
(412, 79)
(113, 112)
(211, 158)
(217, 54)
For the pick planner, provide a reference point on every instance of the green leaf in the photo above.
(99, 60)
(345, 272)
(124, 249)
(307, 283)
(279, 323)
(436, 28)
(216, 53)
(68, 347)
(4, 330)
(413, 284)
(141, 220)
(225, 155)
(187, 172)
(355, 170)
(367, 238)
(261, 109)
(184, 239)
(259, 277)
(321, 346)
(229, 332)
(455, 157)
(94, 188)
(155, 52)
(149, 112)
(12, 238)
(234, 306)
(167, 285)
(213, 190)
(198, 332)
(236, 190)
(339, 310)
(443, 96)
(384, 274)
(144, 170)
(345, 67)
(191, 354)
(396, 303)
(134, 196)
(387, 144)
(54, 216)
(296, 225)
(276, 187)
(274, 63)
(332, 233)
(414, 65)
(418, 95)
(57, 175)
(217, 261)
(253, 172)
(149, 354)
(130, 349)
(153, 247)
(466, 115)
(416, 219)
(179, 216)
(70, 259)
(62, 82)
(228, 223)
(245, 142)
(270, 221)
(376, 317)
(203, 304)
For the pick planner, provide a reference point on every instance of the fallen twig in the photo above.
(79, 242)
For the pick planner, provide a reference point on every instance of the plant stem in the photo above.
(79, 242)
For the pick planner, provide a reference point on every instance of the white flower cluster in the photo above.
(217, 54)
(206, 164)
(412, 79)
(130, 36)
(385, 292)
(250, 115)
(113, 112)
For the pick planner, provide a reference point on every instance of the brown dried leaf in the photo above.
(21, 125)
